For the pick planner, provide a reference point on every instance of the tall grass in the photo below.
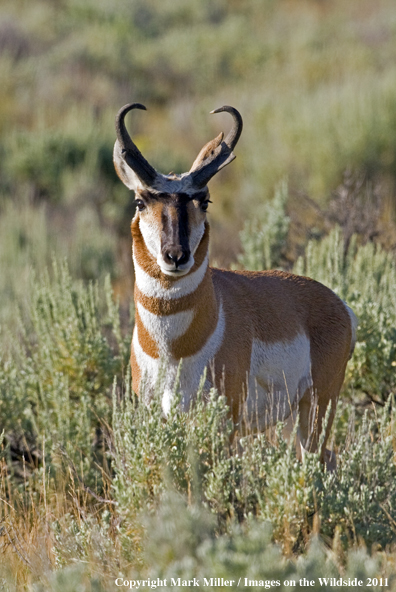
(56, 375)
(96, 485)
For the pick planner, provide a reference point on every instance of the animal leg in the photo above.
(312, 413)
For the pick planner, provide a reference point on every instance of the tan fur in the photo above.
(276, 307)
(136, 373)
(271, 306)
(202, 326)
(233, 313)
(145, 339)
(207, 151)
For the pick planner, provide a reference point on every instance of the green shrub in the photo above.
(40, 160)
(56, 380)
(24, 243)
(365, 278)
(193, 454)
(127, 493)
(154, 478)
(263, 238)
(181, 542)
(187, 448)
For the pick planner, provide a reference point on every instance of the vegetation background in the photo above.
(93, 486)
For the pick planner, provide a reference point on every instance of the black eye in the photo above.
(204, 205)
(140, 204)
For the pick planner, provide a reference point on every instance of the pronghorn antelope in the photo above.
(276, 343)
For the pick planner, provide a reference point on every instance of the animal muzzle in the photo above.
(176, 259)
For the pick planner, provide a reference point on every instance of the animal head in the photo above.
(171, 209)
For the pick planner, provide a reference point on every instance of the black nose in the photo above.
(177, 256)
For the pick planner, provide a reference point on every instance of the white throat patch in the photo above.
(151, 287)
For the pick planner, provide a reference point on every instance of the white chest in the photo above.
(165, 374)
(165, 329)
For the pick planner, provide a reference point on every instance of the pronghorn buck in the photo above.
(274, 342)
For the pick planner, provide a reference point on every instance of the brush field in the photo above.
(94, 486)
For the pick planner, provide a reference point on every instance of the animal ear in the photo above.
(218, 153)
(207, 151)
(124, 171)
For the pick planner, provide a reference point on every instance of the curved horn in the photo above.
(202, 172)
(236, 130)
(130, 153)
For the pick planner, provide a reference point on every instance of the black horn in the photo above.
(131, 154)
(202, 172)
(236, 130)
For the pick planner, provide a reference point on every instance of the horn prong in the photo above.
(204, 170)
